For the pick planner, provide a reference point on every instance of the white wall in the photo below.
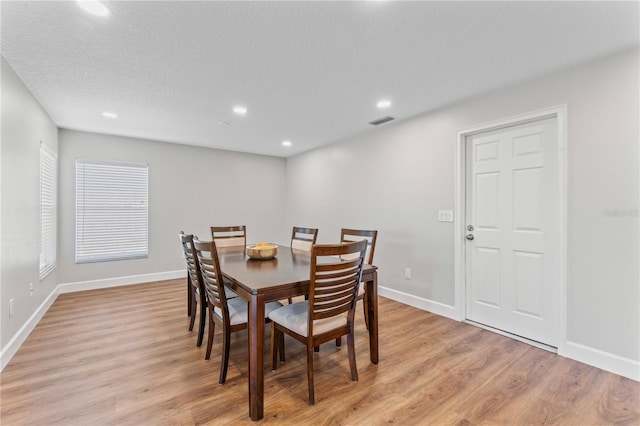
(24, 126)
(397, 177)
(190, 189)
(393, 178)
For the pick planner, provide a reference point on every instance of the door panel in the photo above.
(487, 188)
(487, 290)
(512, 203)
(528, 281)
(527, 199)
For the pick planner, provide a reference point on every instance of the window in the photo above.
(48, 184)
(111, 211)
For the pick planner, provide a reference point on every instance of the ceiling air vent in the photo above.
(380, 121)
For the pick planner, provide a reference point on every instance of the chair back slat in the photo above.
(207, 256)
(328, 270)
(327, 302)
(303, 238)
(334, 281)
(349, 235)
(335, 288)
(193, 269)
(229, 236)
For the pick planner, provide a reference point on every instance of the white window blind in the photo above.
(48, 185)
(111, 211)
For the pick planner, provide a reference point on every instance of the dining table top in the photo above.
(290, 267)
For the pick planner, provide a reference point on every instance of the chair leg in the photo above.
(312, 399)
(275, 346)
(189, 294)
(281, 345)
(338, 341)
(352, 356)
(192, 317)
(212, 330)
(203, 320)
(316, 348)
(226, 346)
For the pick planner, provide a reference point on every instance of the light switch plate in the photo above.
(445, 215)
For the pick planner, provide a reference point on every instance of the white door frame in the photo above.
(560, 113)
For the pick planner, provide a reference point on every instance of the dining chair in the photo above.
(303, 239)
(197, 293)
(335, 274)
(229, 236)
(347, 235)
(230, 314)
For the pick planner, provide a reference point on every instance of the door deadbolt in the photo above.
(470, 228)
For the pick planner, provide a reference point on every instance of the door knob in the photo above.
(469, 237)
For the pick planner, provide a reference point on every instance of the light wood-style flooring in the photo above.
(123, 356)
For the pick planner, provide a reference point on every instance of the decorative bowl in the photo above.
(262, 251)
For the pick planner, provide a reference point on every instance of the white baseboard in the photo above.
(19, 338)
(119, 281)
(604, 360)
(419, 302)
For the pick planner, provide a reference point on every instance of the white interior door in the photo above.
(512, 198)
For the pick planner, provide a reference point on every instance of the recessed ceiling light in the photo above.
(240, 110)
(286, 143)
(383, 104)
(109, 114)
(94, 7)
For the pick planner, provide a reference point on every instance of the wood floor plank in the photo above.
(124, 356)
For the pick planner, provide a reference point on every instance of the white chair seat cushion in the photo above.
(230, 294)
(239, 308)
(296, 315)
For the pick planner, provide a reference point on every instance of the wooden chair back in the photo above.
(229, 236)
(193, 269)
(196, 293)
(303, 238)
(211, 274)
(335, 275)
(348, 235)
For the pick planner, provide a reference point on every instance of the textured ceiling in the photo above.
(309, 72)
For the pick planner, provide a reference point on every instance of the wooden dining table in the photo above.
(286, 275)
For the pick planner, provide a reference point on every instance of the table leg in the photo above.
(371, 294)
(256, 357)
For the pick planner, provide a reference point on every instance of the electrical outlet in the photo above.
(30, 289)
(407, 273)
(11, 309)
